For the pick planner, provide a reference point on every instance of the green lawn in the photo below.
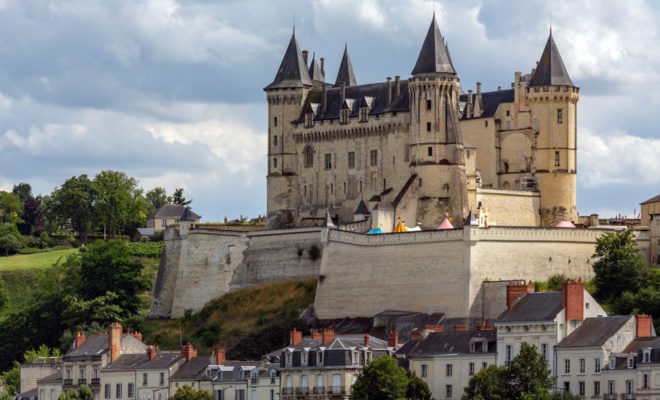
(31, 261)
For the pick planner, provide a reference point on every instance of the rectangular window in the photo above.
(429, 104)
(448, 391)
(131, 390)
(221, 394)
(162, 378)
(567, 366)
(596, 388)
(406, 153)
(428, 127)
(449, 369)
(360, 186)
(275, 122)
(646, 381)
(384, 184)
(373, 157)
(430, 151)
(484, 365)
(471, 368)
(425, 370)
(486, 124)
(567, 387)
(332, 188)
(560, 118)
(305, 356)
(344, 187)
(508, 113)
(508, 125)
(82, 373)
(582, 367)
(272, 394)
(144, 380)
(544, 351)
(107, 390)
(309, 157)
(629, 388)
(351, 159)
(275, 140)
(610, 387)
(597, 365)
(556, 158)
(119, 390)
(328, 161)
(507, 355)
(581, 388)
(274, 162)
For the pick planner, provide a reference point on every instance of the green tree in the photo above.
(619, 266)
(84, 393)
(156, 198)
(72, 206)
(382, 378)
(10, 239)
(185, 392)
(417, 389)
(546, 395)
(23, 191)
(32, 216)
(178, 198)
(487, 384)
(117, 201)
(11, 207)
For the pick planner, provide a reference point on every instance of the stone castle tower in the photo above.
(420, 148)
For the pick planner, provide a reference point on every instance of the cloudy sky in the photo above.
(170, 91)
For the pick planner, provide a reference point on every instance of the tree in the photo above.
(487, 384)
(117, 200)
(10, 208)
(32, 216)
(23, 191)
(545, 395)
(84, 393)
(10, 239)
(185, 392)
(417, 389)
(382, 378)
(156, 198)
(619, 266)
(72, 205)
(178, 198)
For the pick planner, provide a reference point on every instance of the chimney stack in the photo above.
(323, 66)
(220, 356)
(485, 326)
(324, 98)
(327, 336)
(295, 337)
(514, 290)
(151, 352)
(478, 88)
(433, 328)
(188, 352)
(305, 53)
(393, 339)
(572, 298)
(343, 93)
(137, 335)
(416, 334)
(469, 104)
(389, 90)
(366, 339)
(316, 335)
(80, 339)
(397, 86)
(644, 326)
(460, 328)
(114, 340)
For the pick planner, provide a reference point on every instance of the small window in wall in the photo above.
(275, 140)
(373, 157)
(449, 370)
(471, 371)
(567, 366)
(119, 390)
(131, 390)
(581, 388)
(610, 387)
(645, 382)
(507, 355)
(384, 184)
(560, 117)
(596, 388)
(508, 125)
(309, 120)
(556, 158)
(107, 390)
(328, 161)
(360, 187)
(406, 153)
(344, 187)
(351, 159)
(332, 188)
(429, 104)
(144, 380)
(448, 391)
(430, 151)
(508, 113)
(425, 370)
(486, 124)
(544, 351)
(275, 122)
(274, 162)
(484, 365)
(428, 127)
(582, 365)
(597, 365)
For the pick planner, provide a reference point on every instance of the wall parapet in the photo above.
(361, 239)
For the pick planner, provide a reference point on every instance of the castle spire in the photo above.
(315, 71)
(293, 71)
(550, 69)
(434, 56)
(345, 74)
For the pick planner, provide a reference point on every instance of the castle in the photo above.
(420, 148)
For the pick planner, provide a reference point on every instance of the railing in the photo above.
(319, 390)
(68, 382)
(272, 380)
(302, 391)
(287, 391)
(336, 390)
(96, 381)
(254, 381)
(82, 381)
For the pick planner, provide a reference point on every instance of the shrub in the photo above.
(145, 249)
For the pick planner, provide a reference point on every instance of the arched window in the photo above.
(308, 154)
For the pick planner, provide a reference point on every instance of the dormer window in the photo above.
(631, 362)
(305, 357)
(646, 357)
(288, 357)
(356, 357)
(344, 115)
(612, 362)
(364, 114)
(319, 358)
(309, 120)
(368, 356)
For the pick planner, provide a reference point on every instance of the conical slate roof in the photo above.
(293, 70)
(434, 56)
(315, 71)
(189, 215)
(345, 74)
(551, 69)
(362, 209)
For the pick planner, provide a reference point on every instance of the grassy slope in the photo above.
(266, 312)
(32, 261)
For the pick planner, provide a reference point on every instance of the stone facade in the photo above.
(332, 145)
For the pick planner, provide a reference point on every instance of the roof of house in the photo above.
(94, 346)
(489, 102)
(292, 71)
(193, 369)
(345, 75)
(451, 342)
(640, 343)
(54, 377)
(550, 69)
(32, 393)
(434, 55)
(594, 331)
(347, 342)
(533, 307)
(172, 211)
(146, 231)
(652, 200)
(163, 359)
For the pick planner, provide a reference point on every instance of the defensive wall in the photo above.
(363, 275)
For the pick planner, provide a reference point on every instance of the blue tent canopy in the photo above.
(375, 231)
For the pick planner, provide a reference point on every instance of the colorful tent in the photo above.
(375, 231)
(414, 229)
(445, 225)
(565, 224)
(400, 227)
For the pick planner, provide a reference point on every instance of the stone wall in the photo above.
(510, 207)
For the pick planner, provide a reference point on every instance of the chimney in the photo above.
(151, 352)
(415, 334)
(188, 351)
(389, 90)
(499, 88)
(80, 339)
(397, 86)
(323, 66)
(476, 110)
(305, 53)
(295, 337)
(316, 335)
(514, 290)
(324, 98)
(393, 339)
(460, 328)
(366, 339)
(469, 104)
(478, 88)
(572, 298)
(343, 93)
(114, 340)
(644, 326)
(220, 356)
(327, 336)
(485, 326)
(433, 328)
(137, 335)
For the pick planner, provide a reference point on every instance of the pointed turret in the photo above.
(315, 71)
(551, 69)
(434, 56)
(345, 74)
(293, 71)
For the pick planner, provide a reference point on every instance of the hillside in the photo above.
(248, 323)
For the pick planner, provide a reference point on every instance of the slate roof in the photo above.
(146, 231)
(550, 69)
(315, 72)
(450, 342)
(292, 72)
(54, 377)
(490, 101)
(32, 393)
(172, 211)
(362, 209)
(163, 359)
(193, 369)
(533, 307)
(346, 342)
(345, 74)
(189, 215)
(652, 200)
(95, 346)
(434, 56)
(640, 343)
(594, 331)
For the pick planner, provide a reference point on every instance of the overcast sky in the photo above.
(170, 91)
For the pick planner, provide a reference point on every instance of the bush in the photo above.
(36, 250)
(145, 249)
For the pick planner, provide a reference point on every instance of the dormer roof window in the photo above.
(631, 362)
(310, 113)
(646, 355)
(612, 362)
(346, 110)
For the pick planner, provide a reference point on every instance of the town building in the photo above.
(35, 371)
(171, 214)
(420, 148)
(244, 380)
(195, 372)
(650, 209)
